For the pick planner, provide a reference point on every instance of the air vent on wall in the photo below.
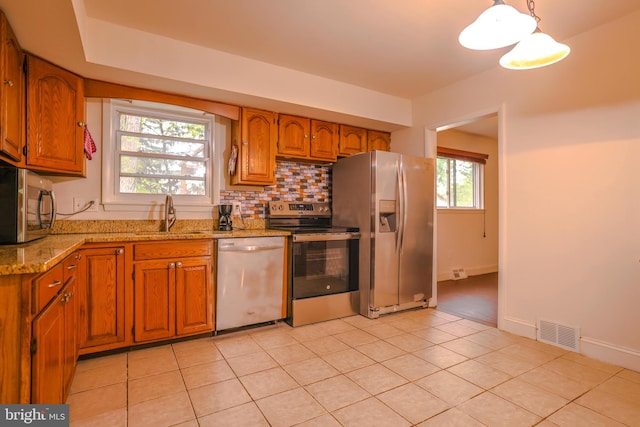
(567, 337)
(457, 274)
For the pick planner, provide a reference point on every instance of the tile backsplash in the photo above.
(295, 182)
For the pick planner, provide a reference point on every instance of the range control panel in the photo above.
(296, 209)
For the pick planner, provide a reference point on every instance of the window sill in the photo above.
(154, 206)
(459, 211)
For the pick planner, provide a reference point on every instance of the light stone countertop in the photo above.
(43, 254)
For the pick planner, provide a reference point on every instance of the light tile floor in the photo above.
(415, 368)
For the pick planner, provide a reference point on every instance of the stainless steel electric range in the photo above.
(322, 262)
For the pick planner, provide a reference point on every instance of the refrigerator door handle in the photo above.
(401, 208)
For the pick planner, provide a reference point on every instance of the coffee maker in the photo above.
(224, 217)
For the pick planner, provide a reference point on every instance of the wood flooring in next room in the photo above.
(474, 298)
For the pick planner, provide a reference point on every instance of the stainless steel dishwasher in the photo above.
(250, 281)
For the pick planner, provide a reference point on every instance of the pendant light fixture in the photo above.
(499, 26)
(535, 50)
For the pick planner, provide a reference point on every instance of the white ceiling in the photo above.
(404, 48)
(399, 47)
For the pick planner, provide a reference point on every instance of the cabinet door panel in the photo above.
(154, 288)
(257, 148)
(11, 93)
(324, 140)
(102, 298)
(353, 140)
(194, 302)
(55, 119)
(293, 136)
(47, 362)
(378, 140)
(71, 335)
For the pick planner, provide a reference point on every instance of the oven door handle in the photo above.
(248, 248)
(321, 237)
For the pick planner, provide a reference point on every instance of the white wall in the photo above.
(569, 189)
(469, 238)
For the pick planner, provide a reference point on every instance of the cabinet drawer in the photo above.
(70, 267)
(172, 249)
(47, 286)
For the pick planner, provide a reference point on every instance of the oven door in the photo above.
(324, 265)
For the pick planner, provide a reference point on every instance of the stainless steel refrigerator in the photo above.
(390, 197)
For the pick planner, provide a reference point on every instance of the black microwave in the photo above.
(28, 205)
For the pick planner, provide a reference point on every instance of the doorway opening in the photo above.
(467, 240)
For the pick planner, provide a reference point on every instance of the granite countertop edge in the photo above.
(41, 255)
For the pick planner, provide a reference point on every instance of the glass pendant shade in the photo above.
(534, 51)
(499, 26)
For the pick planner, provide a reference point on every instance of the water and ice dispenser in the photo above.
(387, 216)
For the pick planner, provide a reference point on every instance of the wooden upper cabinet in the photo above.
(11, 93)
(256, 145)
(353, 140)
(307, 139)
(293, 136)
(377, 140)
(324, 141)
(55, 119)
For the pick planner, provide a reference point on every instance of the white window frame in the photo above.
(112, 199)
(478, 186)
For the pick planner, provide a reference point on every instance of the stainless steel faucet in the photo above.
(169, 213)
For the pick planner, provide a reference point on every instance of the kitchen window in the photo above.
(156, 149)
(459, 179)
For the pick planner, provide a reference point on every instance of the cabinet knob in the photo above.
(119, 251)
(314, 136)
(72, 266)
(306, 136)
(172, 265)
(82, 124)
(9, 83)
(178, 264)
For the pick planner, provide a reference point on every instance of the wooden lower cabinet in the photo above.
(173, 295)
(102, 322)
(154, 296)
(194, 296)
(47, 364)
(54, 344)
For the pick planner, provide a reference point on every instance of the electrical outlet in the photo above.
(80, 203)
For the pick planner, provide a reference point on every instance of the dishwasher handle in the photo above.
(248, 248)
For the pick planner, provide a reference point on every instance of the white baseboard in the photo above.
(610, 353)
(518, 327)
(590, 347)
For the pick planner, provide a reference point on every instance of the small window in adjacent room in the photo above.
(460, 179)
(152, 150)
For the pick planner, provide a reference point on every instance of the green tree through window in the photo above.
(161, 155)
(458, 183)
